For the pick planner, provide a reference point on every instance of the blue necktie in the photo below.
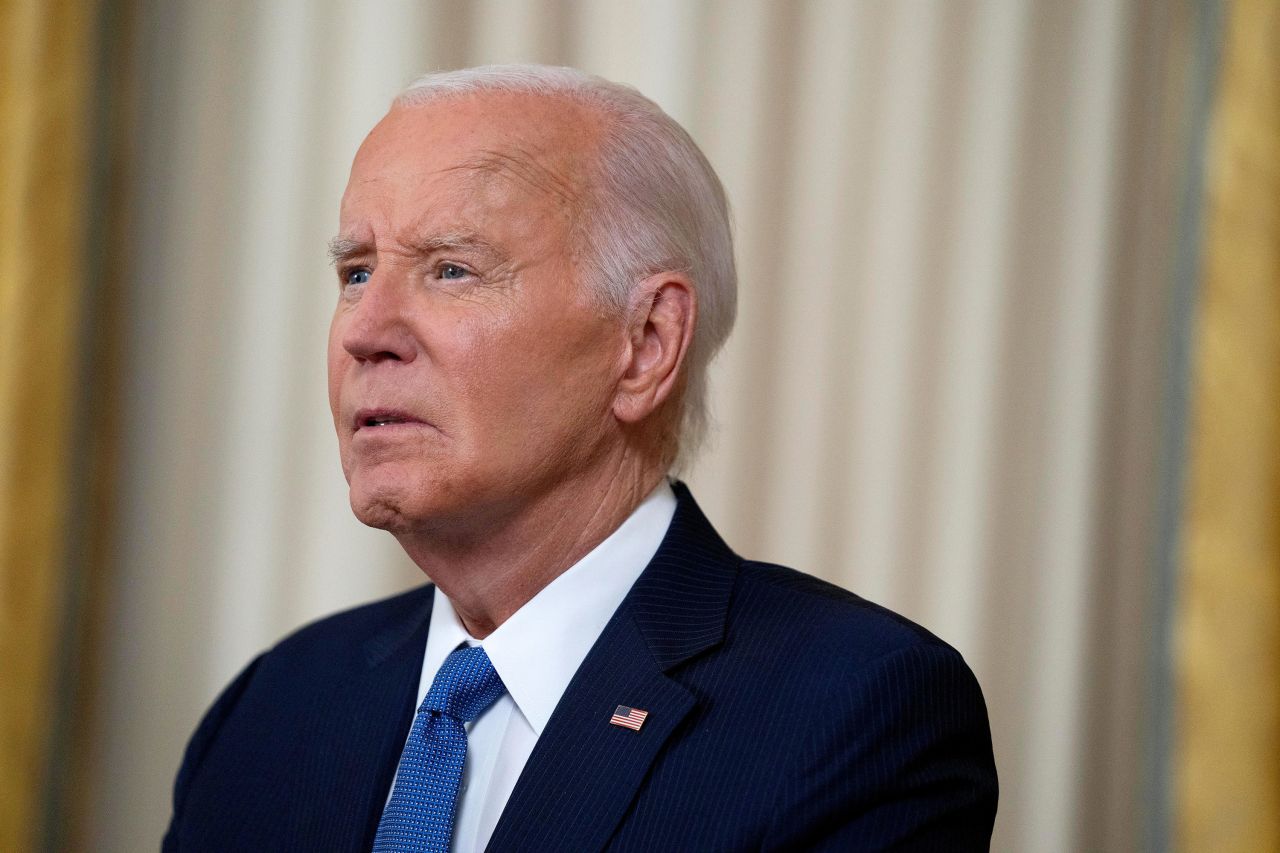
(419, 816)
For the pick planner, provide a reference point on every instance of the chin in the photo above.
(382, 514)
(386, 508)
(399, 502)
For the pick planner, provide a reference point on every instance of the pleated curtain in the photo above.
(944, 391)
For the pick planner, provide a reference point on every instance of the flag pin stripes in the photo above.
(628, 718)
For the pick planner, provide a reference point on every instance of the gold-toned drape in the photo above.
(1228, 760)
(48, 67)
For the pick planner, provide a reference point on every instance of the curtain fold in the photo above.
(1228, 642)
(48, 78)
(65, 117)
(952, 223)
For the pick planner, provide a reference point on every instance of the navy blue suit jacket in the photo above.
(784, 714)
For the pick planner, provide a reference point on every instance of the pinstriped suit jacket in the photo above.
(784, 714)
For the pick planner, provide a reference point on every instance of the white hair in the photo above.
(655, 205)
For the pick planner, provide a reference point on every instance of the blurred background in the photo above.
(1007, 361)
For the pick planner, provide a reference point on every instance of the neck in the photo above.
(488, 577)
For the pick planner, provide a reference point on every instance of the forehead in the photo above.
(472, 155)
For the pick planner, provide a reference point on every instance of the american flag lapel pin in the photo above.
(628, 718)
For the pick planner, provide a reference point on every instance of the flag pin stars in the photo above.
(628, 718)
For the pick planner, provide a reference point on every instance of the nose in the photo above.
(377, 326)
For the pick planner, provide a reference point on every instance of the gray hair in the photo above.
(656, 206)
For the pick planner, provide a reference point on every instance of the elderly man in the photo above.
(534, 269)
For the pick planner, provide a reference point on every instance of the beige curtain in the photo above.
(1228, 757)
(952, 223)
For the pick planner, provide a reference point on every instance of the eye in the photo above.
(356, 275)
(452, 272)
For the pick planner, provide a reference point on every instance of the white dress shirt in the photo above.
(536, 652)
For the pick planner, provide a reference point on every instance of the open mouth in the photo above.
(374, 418)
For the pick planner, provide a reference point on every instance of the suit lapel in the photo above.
(584, 772)
(371, 710)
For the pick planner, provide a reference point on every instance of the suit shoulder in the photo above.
(339, 632)
(824, 617)
(891, 744)
(335, 645)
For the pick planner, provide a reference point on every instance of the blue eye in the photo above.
(452, 272)
(358, 275)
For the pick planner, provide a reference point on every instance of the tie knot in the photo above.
(466, 684)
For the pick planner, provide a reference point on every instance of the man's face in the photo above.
(469, 370)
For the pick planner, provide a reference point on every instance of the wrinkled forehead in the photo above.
(486, 149)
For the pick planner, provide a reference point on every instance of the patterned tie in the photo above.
(419, 816)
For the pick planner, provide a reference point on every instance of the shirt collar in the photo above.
(540, 646)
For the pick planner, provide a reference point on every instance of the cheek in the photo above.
(337, 363)
(551, 378)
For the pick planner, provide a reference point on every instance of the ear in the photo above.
(660, 329)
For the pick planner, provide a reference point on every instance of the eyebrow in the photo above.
(344, 248)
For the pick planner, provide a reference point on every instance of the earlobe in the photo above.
(660, 330)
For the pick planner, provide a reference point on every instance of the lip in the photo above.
(369, 418)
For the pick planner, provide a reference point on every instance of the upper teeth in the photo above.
(381, 421)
